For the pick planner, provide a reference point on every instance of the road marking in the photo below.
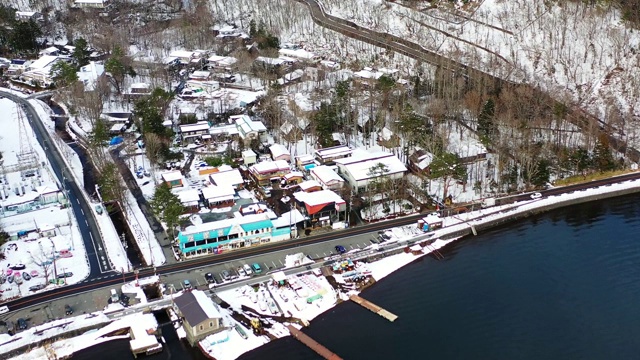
(91, 235)
(280, 261)
(78, 201)
(82, 211)
(274, 264)
(85, 221)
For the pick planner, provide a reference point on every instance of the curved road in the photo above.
(91, 236)
(578, 117)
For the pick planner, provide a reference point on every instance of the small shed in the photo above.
(173, 178)
(249, 157)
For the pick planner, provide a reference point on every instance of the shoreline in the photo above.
(455, 228)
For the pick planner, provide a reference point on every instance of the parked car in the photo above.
(68, 310)
(209, 277)
(340, 249)
(37, 287)
(256, 268)
(34, 273)
(124, 300)
(247, 269)
(241, 272)
(17, 267)
(3, 279)
(186, 284)
(536, 195)
(18, 279)
(10, 279)
(65, 275)
(26, 276)
(4, 309)
(22, 324)
(225, 275)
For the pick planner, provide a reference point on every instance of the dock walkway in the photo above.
(373, 307)
(312, 344)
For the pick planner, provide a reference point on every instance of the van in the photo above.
(114, 296)
(256, 268)
(247, 269)
(4, 309)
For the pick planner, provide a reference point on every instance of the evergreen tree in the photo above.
(580, 160)
(542, 173)
(486, 126)
(64, 74)
(24, 36)
(602, 157)
(166, 205)
(118, 66)
(81, 52)
(447, 166)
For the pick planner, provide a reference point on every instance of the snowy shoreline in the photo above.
(409, 236)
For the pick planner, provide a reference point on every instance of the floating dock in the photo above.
(312, 344)
(373, 307)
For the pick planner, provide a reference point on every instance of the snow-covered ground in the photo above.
(115, 250)
(52, 228)
(143, 234)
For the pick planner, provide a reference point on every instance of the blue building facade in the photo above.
(229, 234)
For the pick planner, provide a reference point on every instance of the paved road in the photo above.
(577, 116)
(91, 236)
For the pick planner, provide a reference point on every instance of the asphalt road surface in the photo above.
(98, 261)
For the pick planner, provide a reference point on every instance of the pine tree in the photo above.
(486, 127)
(602, 157)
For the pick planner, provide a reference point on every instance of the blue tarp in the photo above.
(116, 140)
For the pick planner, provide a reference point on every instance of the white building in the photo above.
(89, 75)
(98, 4)
(219, 196)
(359, 170)
(191, 132)
(249, 129)
(327, 177)
(28, 15)
(40, 70)
(231, 178)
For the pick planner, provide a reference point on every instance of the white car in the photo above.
(241, 272)
(536, 195)
(4, 309)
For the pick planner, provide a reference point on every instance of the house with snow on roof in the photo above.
(17, 67)
(172, 178)
(190, 199)
(28, 15)
(361, 169)
(192, 132)
(328, 156)
(200, 316)
(279, 152)
(221, 63)
(217, 197)
(96, 4)
(249, 129)
(39, 71)
(90, 74)
(293, 178)
(310, 186)
(419, 162)
(305, 162)
(50, 51)
(265, 172)
(227, 177)
(320, 207)
(327, 177)
(229, 234)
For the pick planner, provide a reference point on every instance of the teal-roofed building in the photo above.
(229, 234)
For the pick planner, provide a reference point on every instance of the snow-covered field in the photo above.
(53, 231)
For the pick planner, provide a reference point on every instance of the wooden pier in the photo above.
(312, 344)
(373, 307)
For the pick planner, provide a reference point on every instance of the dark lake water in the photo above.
(563, 285)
